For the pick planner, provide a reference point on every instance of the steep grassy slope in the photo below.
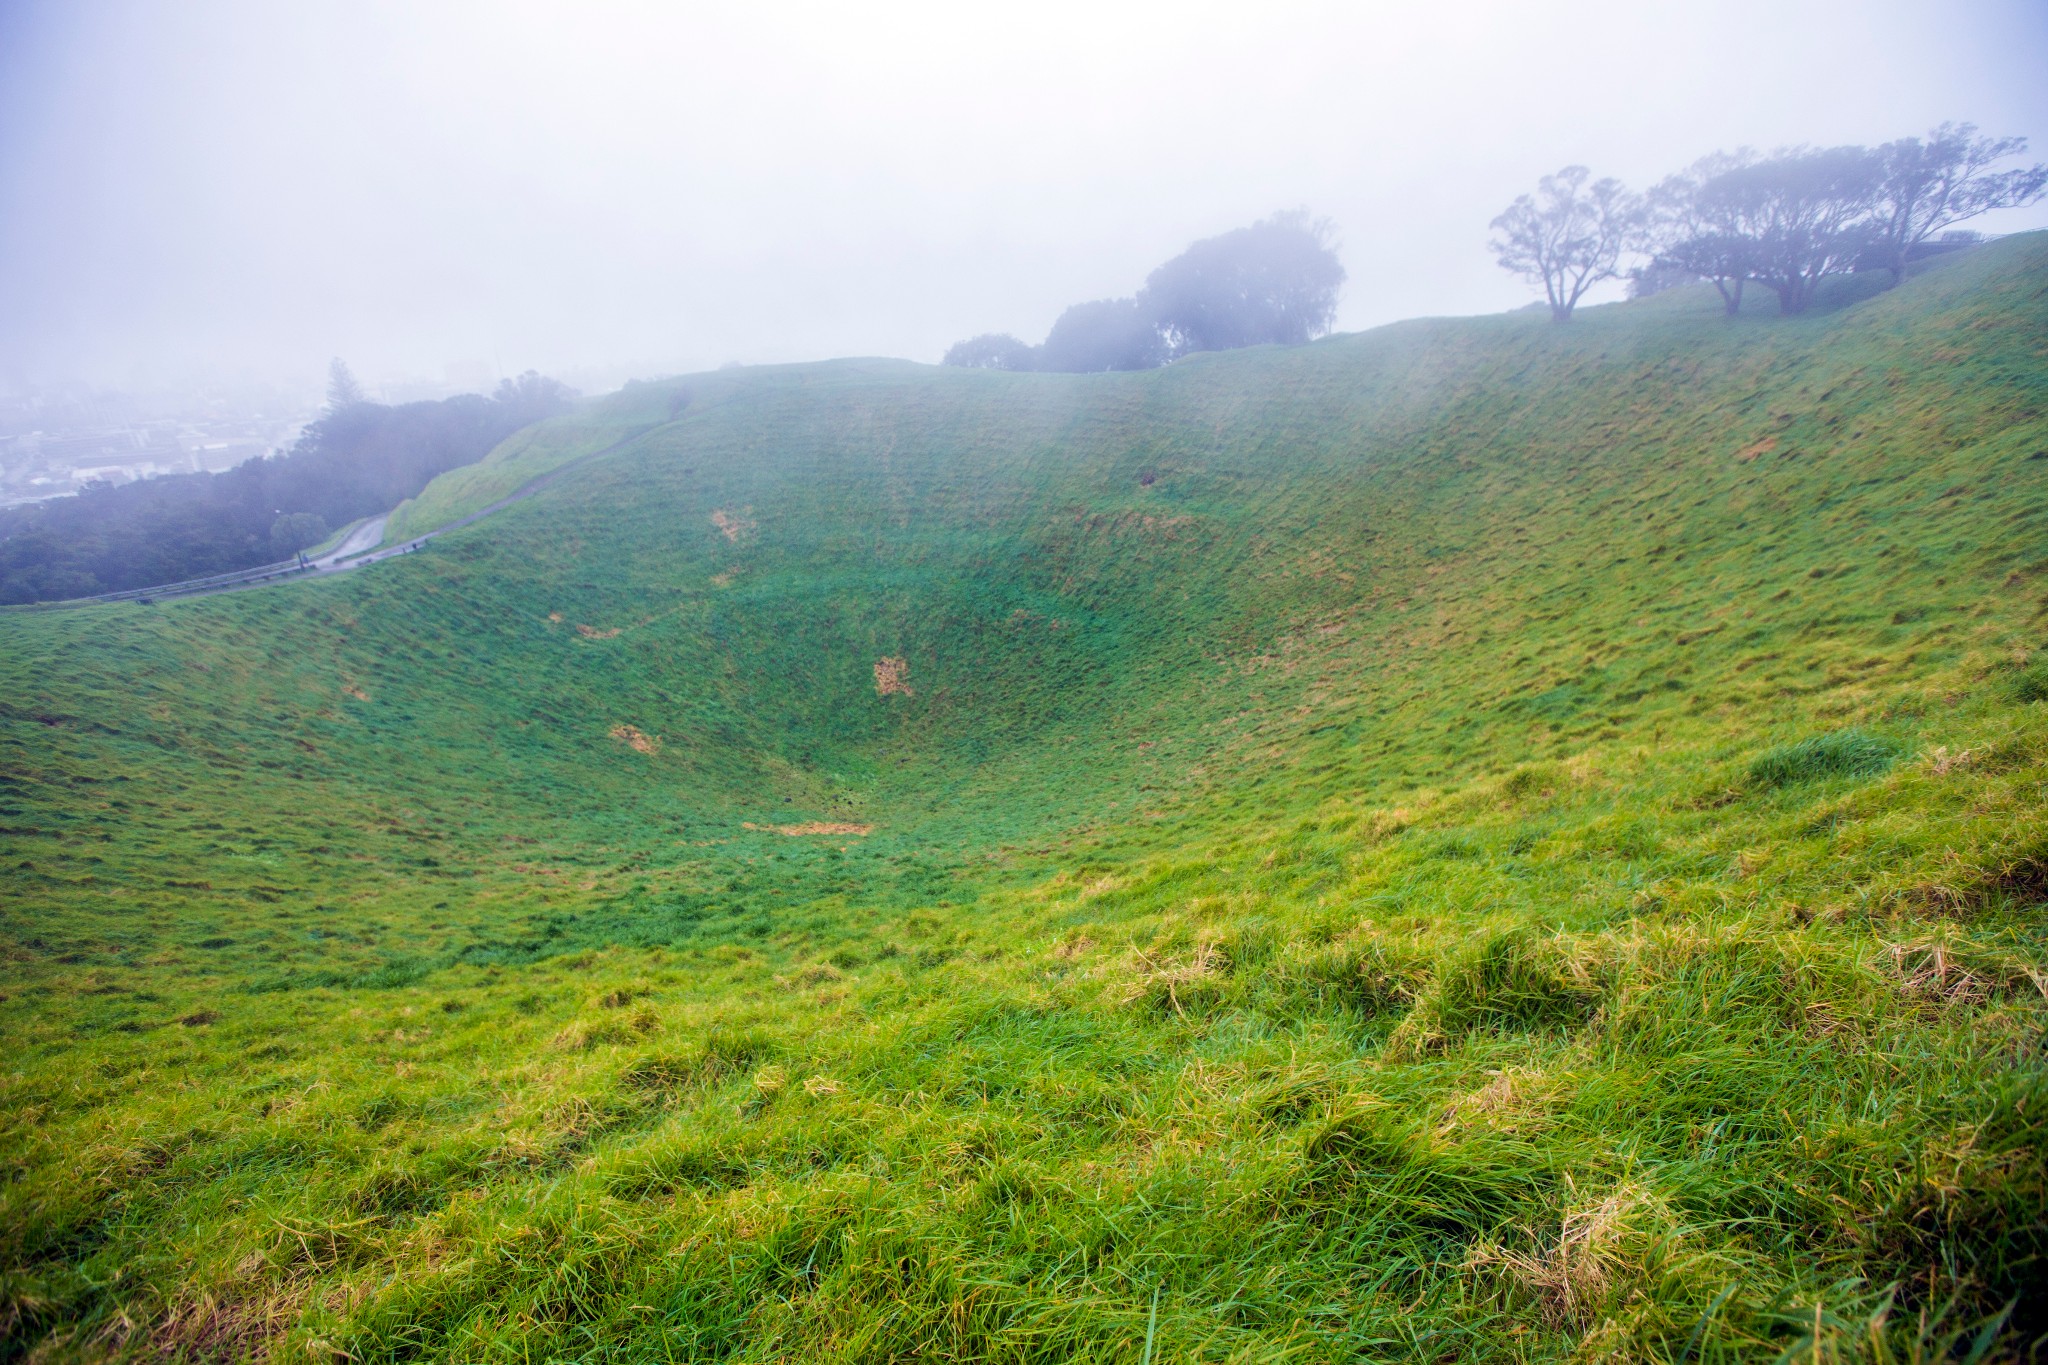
(1473, 839)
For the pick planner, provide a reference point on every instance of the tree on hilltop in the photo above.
(991, 351)
(342, 390)
(1569, 235)
(533, 396)
(1692, 235)
(1273, 283)
(1108, 334)
(1805, 214)
(1926, 187)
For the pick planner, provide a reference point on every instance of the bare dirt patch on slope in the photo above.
(636, 739)
(810, 827)
(892, 677)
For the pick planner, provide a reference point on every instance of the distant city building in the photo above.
(56, 443)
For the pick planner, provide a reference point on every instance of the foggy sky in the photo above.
(210, 186)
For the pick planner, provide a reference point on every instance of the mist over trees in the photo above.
(991, 351)
(1783, 222)
(1806, 213)
(532, 397)
(1273, 283)
(1696, 235)
(1568, 236)
(342, 389)
(1108, 334)
(1927, 187)
(357, 460)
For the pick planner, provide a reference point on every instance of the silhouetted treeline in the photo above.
(1274, 282)
(1782, 222)
(358, 460)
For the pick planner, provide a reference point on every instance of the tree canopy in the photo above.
(1927, 187)
(1273, 283)
(342, 389)
(1789, 220)
(992, 351)
(1695, 236)
(1108, 334)
(533, 396)
(1804, 214)
(1568, 236)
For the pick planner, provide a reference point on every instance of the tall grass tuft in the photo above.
(1840, 753)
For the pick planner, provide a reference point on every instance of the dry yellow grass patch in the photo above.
(818, 974)
(1941, 762)
(1601, 1246)
(1928, 970)
(210, 1327)
(1515, 1099)
(734, 526)
(1176, 984)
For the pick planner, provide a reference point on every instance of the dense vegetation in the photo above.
(1784, 222)
(358, 460)
(1472, 840)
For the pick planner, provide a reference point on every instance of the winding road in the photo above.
(364, 537)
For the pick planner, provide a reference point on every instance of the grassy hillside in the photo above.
(1477, 839)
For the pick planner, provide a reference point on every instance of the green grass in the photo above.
(1473, 840)
(1839, 753)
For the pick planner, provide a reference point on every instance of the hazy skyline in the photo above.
(218, 187)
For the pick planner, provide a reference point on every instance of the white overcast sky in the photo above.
(205, 186)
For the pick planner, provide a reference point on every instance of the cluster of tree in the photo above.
(1783, 222)
(1274, 282)
(359, 459)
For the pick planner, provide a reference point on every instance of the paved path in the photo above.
(364, 537)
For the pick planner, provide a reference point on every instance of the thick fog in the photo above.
(605, 189)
